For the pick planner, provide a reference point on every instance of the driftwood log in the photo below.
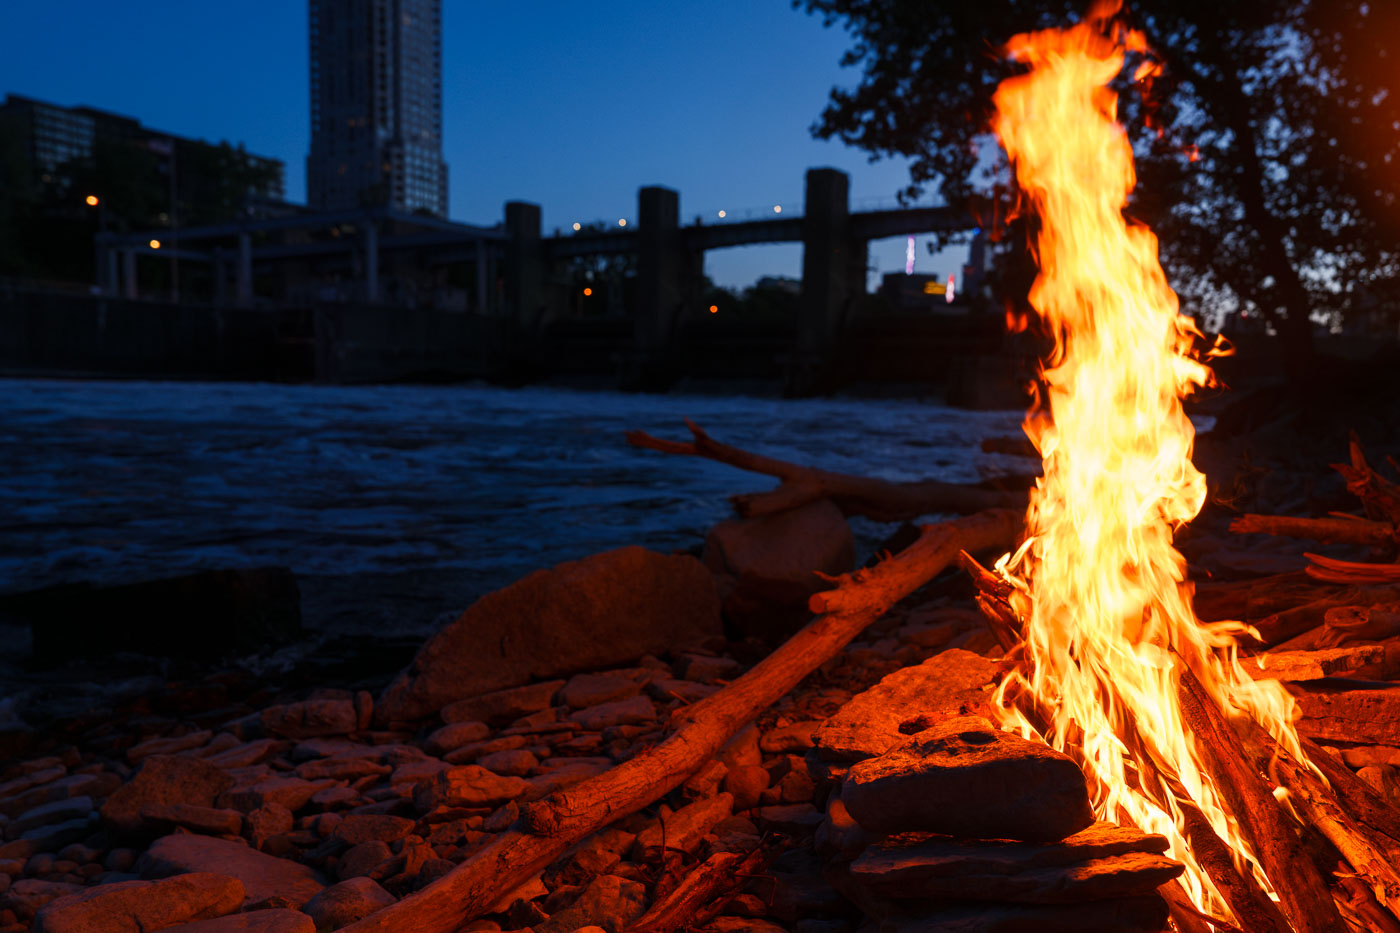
(853, 495)
(1346, 571)
(548, 827)
(1333, 530)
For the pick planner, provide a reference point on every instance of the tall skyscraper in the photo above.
(376, 105)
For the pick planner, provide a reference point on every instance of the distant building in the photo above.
(915, 292)
(376, 105)
(51, 146)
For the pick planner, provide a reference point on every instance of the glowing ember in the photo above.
(1102, 592)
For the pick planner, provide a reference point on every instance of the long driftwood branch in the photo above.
(1330, 530)
(1346, 571)
(854, 495)
(548, 827)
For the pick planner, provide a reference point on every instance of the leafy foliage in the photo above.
(1268, 147)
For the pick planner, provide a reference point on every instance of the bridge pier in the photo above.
(524, 266)
(833, 276)
(665, 283)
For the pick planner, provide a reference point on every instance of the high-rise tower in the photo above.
(376, 105)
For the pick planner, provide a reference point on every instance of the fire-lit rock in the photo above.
(610, 608)
(769, 565)
(868, 724)
(964, 777)
(263, 876)
(137, 906)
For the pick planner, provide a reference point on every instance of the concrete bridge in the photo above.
(517, 273)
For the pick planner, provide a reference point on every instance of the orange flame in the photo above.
(1099, 585)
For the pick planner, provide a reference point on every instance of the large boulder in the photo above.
(964, 777)
(263, 876)
(602, 611)
(142, 906)
(768, 566)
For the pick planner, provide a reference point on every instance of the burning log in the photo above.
(854, 495)
(1335, 530)
(1302, 892)
(1346, 571)
(550, 826)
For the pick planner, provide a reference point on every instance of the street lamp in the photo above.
(91, 200)
(155, 244)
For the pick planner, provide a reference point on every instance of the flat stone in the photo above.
(467, 786)
(1313, 665)
(164, 779)
(263, 875)
(592, 689)
(868, 724)
(516, 762)
(48, 814)
(684, 830)
(276, 920)
(632, 711)
(363, 827)
(53, 836)
(503, 706)
(291, 792)
(912, 864)
(168, 745)
(454, 735)
(607, 609)
(840, 835)
(794, 737)
(1145, 914)
(344, 903)
(790, 817)
(209, 820)
(140, 906)
(339, 769)
(311, 718)
(964, 777)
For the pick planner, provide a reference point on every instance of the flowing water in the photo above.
(396, 506)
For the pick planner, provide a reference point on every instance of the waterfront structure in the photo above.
(376, 106)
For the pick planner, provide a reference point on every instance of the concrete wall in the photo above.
(55, 333)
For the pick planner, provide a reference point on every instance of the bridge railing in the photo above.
(723, 215)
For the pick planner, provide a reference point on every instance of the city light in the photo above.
(91, 200)
(714, 309)
(777, 208)
(721, 213)
(587, 292)
(577, 226)
(622, 221)
(155, 244)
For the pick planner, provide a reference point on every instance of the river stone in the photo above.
(592, 689)
(684, 830)
(1146, 914)
(965, 777)
(263, 875)
(913, 857)
(769, 565)
(868, 724)
(344, 903)
(275, 920)
(1083, 868)
(467, 786)
(503, 706)
(139, 906)
(163, 779)
(605, 610)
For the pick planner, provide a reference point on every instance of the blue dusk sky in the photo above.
(571, 105)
